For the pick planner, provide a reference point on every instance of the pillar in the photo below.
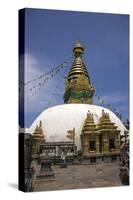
(105, 143)
(117, 142)
(97, 143)
(85, 146)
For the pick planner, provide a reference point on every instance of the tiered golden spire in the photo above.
(78, 67)
(38, 133)
(78, 88)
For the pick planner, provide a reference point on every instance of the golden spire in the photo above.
(78, 87)
(38, 132)
(78, 67)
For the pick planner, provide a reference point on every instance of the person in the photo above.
(63, 158)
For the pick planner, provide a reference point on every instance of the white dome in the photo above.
(58, 119)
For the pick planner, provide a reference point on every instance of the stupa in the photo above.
(97, 129)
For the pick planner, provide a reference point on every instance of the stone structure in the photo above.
(27, 149)
(55, 149)
(124, 163)
(38, 139)
(45, 170)
(78, 87)
(100, 142)
(124, 156)
(124, 139)
(25, 157)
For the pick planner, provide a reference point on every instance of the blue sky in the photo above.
(49, 39)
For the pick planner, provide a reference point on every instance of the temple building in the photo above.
(100, 141)
(96, 129)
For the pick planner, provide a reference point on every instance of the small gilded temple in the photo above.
(100, 141)
(38, 138)
(94, 131)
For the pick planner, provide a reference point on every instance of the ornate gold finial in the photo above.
(90, 116)
(78, 48)
(36, 129)
(40, 124)
(105, 115)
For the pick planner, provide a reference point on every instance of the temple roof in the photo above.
(89, 125)
(105, 122)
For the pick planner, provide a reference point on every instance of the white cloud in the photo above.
(31, 67)
(46, 95)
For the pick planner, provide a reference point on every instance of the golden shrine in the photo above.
(38, 139)
(100, 141)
